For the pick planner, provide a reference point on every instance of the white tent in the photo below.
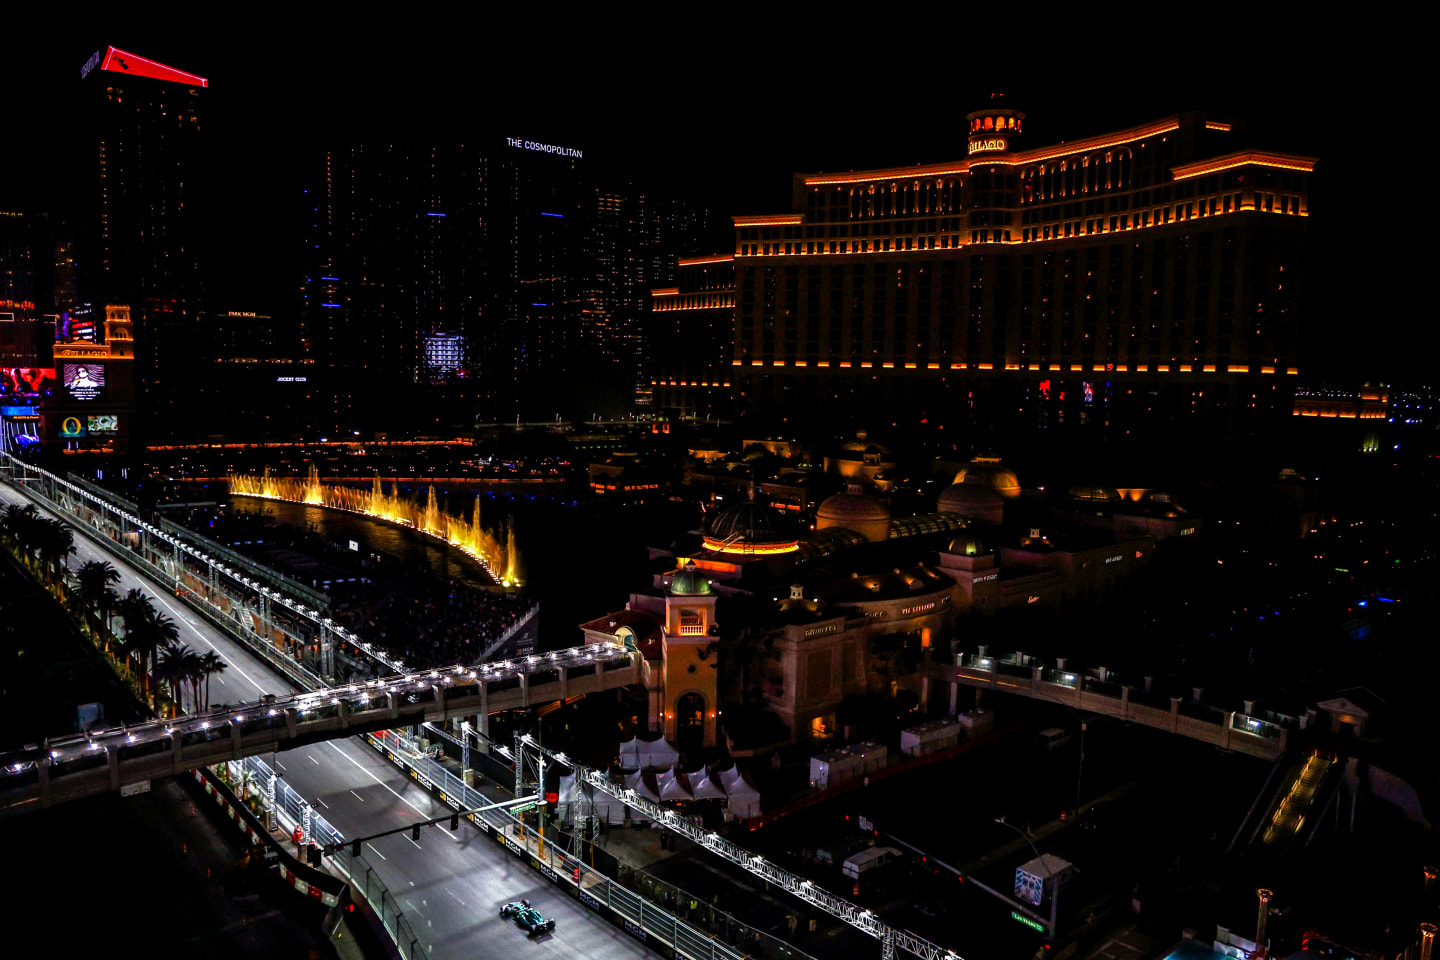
(744, 798)
(636, 781)
(673, 785)
(637, 754)
(705, 786)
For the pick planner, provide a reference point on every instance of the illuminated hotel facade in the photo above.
(1145, 279)
(694, 323)
(137, 224)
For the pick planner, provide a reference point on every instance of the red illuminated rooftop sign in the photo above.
(119, 61)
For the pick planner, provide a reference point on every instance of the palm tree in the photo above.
(147, 632)
(97, 579)
(179, 667)
(55, 542)
(211, 664)
(17, 521)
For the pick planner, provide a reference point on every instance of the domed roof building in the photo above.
(688, 582)
(853, 510)
(967, 546)
(863, 460)
(974, 501)
(990, 472)
(748, 527)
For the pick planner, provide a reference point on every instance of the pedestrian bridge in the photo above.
(114, 759)
(1100, 693)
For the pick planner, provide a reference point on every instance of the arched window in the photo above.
(1124, 161)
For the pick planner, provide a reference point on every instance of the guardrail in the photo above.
(639, 917)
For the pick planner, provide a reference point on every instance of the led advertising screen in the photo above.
(104, 423)
(85, 381)
(72, 427)
(77, 325)
(29, 384)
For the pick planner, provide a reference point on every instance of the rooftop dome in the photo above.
(855, 511)
(864, 446)
(689, 583)
(749, 527)
(990, 472)
(967, 546)
(968, 499)
(852, 506)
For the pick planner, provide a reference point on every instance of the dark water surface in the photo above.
(579, 559)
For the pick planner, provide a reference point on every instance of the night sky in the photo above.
(722, 109)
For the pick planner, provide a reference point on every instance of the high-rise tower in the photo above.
(137, 238)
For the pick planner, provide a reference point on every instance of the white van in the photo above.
(869, 859)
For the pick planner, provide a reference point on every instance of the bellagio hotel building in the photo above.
(1146, 279)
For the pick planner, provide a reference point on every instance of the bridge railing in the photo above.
(1191, 717)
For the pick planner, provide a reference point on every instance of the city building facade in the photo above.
(513, 250)
(136, 230)
(1146, 279)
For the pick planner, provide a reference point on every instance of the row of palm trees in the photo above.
(45, 542)
(150, 638)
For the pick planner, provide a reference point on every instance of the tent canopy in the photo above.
(637, 754)
(705, 787)
(744, 798)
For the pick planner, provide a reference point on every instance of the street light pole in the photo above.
(1080, 769)
(1054, 889)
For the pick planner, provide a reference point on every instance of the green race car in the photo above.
(527, 917)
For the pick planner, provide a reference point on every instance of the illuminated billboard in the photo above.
(77, 325)
(72, 427)
(137, 66)
(27, 383)
(85, 381)
(104, 423)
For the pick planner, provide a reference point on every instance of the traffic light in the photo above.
(415, 833)
(355, 849)
(454, 821)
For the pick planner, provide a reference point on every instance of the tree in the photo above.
(97, 579)
(55, 541)
(748, 631)
(180, 668)
(211, 664)
(17, 523)
(147, 632)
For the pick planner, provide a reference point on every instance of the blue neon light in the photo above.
(434, 214)
(544, 214)
(539, 304)
(329, 304)
(329, 278)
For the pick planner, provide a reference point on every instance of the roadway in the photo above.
(449, 885)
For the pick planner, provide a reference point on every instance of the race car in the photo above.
(527, 916)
